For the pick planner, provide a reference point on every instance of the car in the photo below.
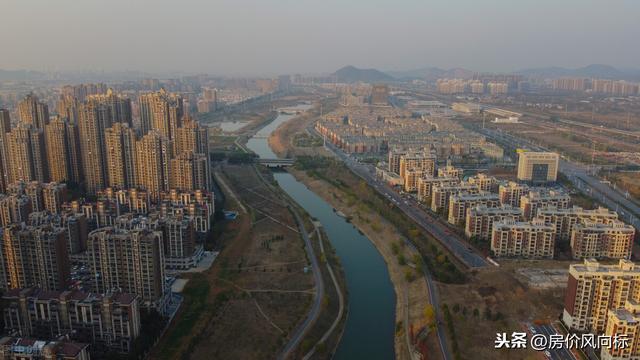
(547, 354)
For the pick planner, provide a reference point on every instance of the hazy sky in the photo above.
(315, 36)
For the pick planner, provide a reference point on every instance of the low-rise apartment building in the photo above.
(623, 322)
(597, 240)
(426, 184)
(565, 220)
(543, 198)
(511, 192)
(480, 219)
(110, 322)
(441, 193)
(531, 240)
(460, 203)
(593, 289)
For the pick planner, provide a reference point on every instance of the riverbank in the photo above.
(486, 302)
(403, 262)
(409, 284)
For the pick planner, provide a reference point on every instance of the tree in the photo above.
(429, 315)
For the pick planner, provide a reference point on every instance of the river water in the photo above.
(369, 331)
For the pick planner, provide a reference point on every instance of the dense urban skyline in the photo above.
(257, 37)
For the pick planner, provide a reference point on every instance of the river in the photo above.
(369, 331)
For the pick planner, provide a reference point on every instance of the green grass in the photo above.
(194, 306)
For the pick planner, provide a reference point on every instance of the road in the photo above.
(335, 323)
(368, 174)
(430, 223)
(300, 331)
(556, 354)
(579, 176)
(434, 299)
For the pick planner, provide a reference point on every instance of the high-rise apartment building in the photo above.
(538, 167)
(14, 209)
(191, 137)
(54, 195)
(593, 289)
(58, 152)
(82, 91)
(198, 205)
(5, 127)
(130, 260)
(96, 114)
(613, 240)
(120, 143)
(35, 256)
(67, 108)
(570, 84)
(189, 172)
(161, 111)
(93, 119)
(26, 154)
(74, 225)
(32, 111)
(531, 240)
(153, 155)
(118, 107)
(180, 243)
(498, 88)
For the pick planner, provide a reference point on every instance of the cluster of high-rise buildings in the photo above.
(518, 219)
(76, 272)
(93, 143)
(601, 86)
(123, 242)
(460, 86)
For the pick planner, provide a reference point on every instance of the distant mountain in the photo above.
(20, 75)
(432, 73)
(591, 71)
(353, 74)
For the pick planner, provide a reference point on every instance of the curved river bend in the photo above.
(369, 331)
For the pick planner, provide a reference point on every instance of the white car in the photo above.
(547, 354)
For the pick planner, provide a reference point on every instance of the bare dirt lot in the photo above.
(256, 291)
(500, 300)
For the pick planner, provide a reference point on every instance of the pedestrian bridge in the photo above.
(276, 162)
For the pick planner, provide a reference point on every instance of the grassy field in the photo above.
(256, 291)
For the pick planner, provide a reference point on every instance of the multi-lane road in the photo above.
(430, 223)
(562, 353)
(579, 176)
